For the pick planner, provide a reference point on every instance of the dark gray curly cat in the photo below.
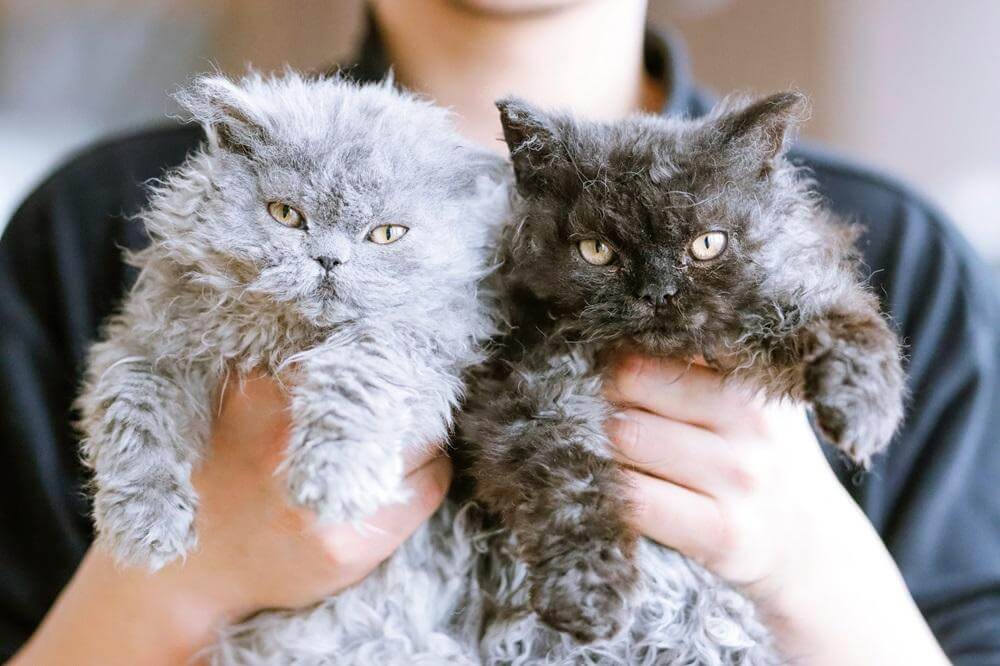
(682, 237)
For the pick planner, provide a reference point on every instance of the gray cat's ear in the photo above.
(227, 112)
(532, 139)
(754, 136)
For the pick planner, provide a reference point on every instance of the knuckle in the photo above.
(729, 538)
(626, 433)
(292, 519)
(337, 550)
(746, 473)
(628, 372)
(431, 490)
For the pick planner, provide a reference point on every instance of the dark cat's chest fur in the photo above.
(676, 238)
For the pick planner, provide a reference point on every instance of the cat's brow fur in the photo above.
(372, 352)
(783, 309)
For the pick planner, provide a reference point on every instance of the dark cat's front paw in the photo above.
(857, 401)
(585, 593)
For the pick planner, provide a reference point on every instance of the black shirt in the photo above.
(933, 498)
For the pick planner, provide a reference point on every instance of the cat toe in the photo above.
(340, 492)
(146, 526)
(858, 419)
(585, 595)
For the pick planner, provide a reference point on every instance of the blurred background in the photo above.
(910, 86)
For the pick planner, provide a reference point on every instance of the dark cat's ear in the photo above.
(533, 141)
(755, 135)
(231, 120)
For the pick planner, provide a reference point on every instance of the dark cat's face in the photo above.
(663, 231)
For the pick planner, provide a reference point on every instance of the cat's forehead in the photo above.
(358, 168)
(322, 125)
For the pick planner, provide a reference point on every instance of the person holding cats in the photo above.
(762, 508)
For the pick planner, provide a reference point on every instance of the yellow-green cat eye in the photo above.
(285, 214)
(387, 233)
(709, 245)
(595, 251)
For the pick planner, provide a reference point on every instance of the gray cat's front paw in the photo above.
(147, 523)
(585, 592)
(343, 481)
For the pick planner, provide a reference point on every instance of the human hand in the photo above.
(255, 550)
(740, 485)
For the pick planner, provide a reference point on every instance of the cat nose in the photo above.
(657, 295)
(328, 262)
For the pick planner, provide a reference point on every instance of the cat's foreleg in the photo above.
(541, 460)
(853, 378)
(354, 409)
(143, 433)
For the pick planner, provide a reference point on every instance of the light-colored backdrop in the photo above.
(911, 86)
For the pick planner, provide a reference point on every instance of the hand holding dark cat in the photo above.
(740, 486)
(716, 472)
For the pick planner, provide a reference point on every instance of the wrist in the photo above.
(112, 614)
(179, 610)
(840, 599)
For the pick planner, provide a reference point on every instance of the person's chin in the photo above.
(515, 7)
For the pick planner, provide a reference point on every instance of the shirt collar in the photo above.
(664, 57)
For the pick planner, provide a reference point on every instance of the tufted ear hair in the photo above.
(754, 136)
(228, 113)
(533, 139)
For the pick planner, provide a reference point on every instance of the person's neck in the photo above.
(586, 57)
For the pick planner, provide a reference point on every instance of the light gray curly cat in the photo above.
(329, 233)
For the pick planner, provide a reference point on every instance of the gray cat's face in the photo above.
(343, 201)
(665, 232)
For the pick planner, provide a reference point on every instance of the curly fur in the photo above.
(372, 339)
(374, 352)
(782, 309)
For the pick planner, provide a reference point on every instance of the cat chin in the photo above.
(327, 310)
(662, 342)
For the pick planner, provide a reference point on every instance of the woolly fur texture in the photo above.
(375, 341)
(772, 298)
(372, 338)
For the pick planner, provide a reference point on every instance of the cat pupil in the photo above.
(285, 209)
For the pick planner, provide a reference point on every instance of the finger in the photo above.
(680, 390)
(674, 516)
(670, 450)
(418, 455)
(393, 524)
